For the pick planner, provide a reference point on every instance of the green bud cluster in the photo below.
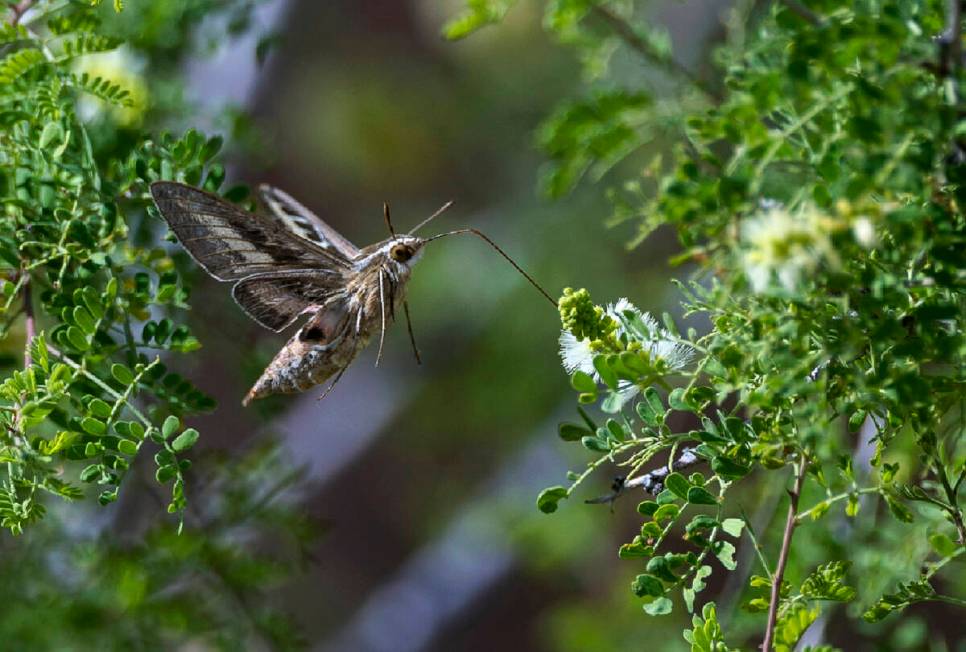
(580, 316)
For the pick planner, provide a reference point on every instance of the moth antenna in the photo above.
(385, 213)
(479, 234)
(429, 219)
(412, 338)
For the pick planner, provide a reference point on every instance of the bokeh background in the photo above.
(426, 475)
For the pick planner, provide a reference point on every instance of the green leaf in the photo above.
(676, 400)
(478, 13)
(122, 374)
(659, 566)
(127, 447)
(728, 468)
(678, 485)
(91, 472)
(77, 339)
(667, 513)
(701, 496)
(93, 426)
(548, 499)
(573, 432)
(733, 526)
(595, 445)
(645, 584)
(658, 607)
(165, 473)
(605, 372)
(942, 544)
(170, 426)
(53, 131)
(185, 440)
(84, 320)
(582, 382)
(826, 583)
(725, 552)
(99, 408)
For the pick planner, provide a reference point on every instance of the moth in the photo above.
(289, 263)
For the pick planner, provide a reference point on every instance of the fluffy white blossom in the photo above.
(864, 232)
(785, 245)
(577, 355)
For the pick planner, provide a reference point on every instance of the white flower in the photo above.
(864, 232)
(576, 355)
(778, 243)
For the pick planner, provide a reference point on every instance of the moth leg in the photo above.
(338, 376)
(412, 338)
(382, 313)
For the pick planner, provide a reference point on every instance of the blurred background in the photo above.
(402, 513)
(425, 476)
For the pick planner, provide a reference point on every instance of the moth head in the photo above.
(406, 249)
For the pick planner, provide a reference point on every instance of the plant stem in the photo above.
(951, 494)
(18, 10)
(30, 323)
(633, 39)
(802, 11)
(776, 585)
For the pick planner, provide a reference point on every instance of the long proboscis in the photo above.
(479, 234)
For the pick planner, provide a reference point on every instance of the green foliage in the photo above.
(705, 634)
(92, 395)
(817, 190)
(200, 585)
(479, 13)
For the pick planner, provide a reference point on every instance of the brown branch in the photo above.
(634, 40)
(18, 10)
(802, 11)
(950, 41)
(776, 585)
(30, 325)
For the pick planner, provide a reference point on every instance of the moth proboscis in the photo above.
(289, 263)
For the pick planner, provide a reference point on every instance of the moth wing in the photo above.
(303, 222)
(231, 243)
(276, 299)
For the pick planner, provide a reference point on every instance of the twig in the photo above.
(776, 585)
(18, 10)
(633, 39)
(802, 11)
(30, 323)
(951, 494)
(950, 42)
(110, 391)
(652, 482)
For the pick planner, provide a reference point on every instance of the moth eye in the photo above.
(401, 253)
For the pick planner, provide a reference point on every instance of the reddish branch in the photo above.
(776, 585)
(18, 10)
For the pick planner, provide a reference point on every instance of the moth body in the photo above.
(332, 338)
